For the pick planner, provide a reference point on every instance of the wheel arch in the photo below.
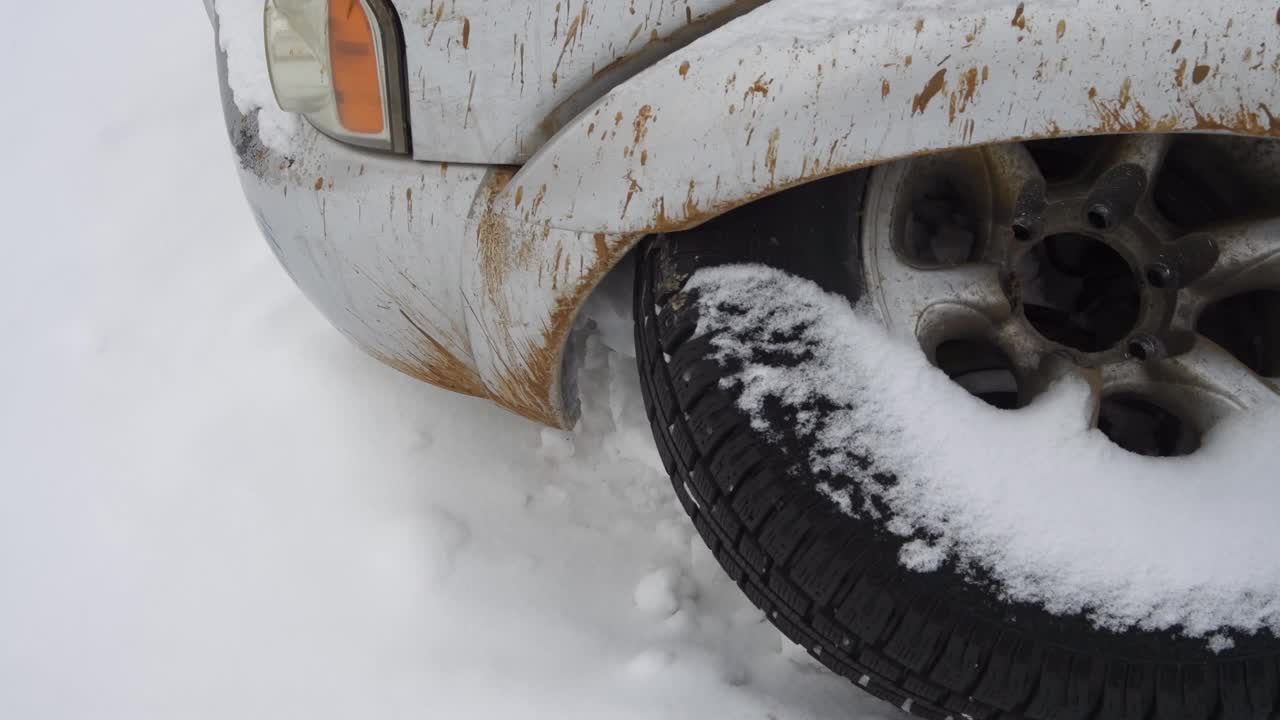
(770, 102)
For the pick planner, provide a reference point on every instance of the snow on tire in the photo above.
(936, 639)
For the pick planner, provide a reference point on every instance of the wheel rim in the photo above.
(1012, 271)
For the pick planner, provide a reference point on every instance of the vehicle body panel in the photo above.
(490, 81)
(471, 277)
(772, 113)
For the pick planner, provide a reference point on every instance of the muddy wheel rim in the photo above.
(1009, 277)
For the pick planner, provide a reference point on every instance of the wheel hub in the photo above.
(1010, 277)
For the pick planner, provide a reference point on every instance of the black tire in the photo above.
(935, 644)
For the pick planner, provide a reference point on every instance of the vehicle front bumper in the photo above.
(403, 257)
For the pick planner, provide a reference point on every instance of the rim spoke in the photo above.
(1056, 367)
(1248, 259)
(1127, 173)
(1018, 189)
(1202, 386)
(935, 305)
(1146, 151)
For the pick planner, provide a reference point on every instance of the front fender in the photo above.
(788, 94)
(796, 91)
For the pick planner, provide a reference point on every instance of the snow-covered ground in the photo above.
(211, 506)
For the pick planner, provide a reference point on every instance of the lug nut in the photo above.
(1162, 276)
(1183, 262)
(1115, 196)
(1028, 210)
(1101, 216)
(1146, 347)
(1023, 230)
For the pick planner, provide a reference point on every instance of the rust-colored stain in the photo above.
(885, 88)
(319, 184)
(935, 85)
(1019, 18)
(466, 33)
(1062, 28)
(1125, 114)
(440, 368)
(466, 119)
(538, 199)
(617, 119)
(494, 238)
(1180, 73)
(569, 37)
(919, 25)
(574, 27)
(431, 361)
(1117, 117)
(759, 87)
(1112, 121)
(1200, 73)
(660, 218)
(1177, 45)
(1126, 93)
(644, 158)
(645, 55)
(771, 154)
(691, 204)
(641, 124)
(1244, 120)
(555, 268)
(684, 69)
(435, 22)
(525, 387)
(519, 195)
(969, 83)
(633, 188)
(960, 99)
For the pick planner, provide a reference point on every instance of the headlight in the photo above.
(338, 63)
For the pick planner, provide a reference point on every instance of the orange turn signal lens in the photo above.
(338, 62)
(357, 81)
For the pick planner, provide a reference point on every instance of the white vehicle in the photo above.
(1026, 190)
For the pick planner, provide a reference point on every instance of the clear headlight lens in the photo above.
(328, 61)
